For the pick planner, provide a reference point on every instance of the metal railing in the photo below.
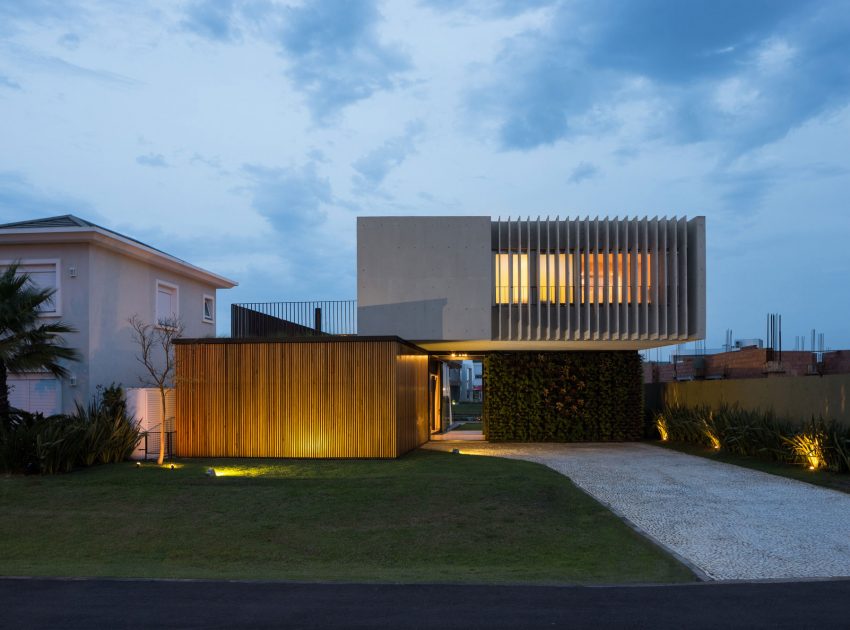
(151, 439)
(292, 319)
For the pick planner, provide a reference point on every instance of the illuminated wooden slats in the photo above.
(334, 398)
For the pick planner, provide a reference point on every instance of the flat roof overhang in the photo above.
(489, 345)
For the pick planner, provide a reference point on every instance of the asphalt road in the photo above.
(84, 603)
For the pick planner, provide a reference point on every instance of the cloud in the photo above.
(333, 51)
(291, 198)
(212, 19)
(155, 160)
(335, 56)
(57, 65)
(495, 8)
(14, 12)
(742, 190)
(6, 82)
(739, 74)
(71, 41)
(21, 200)
(585, 170)
(373, 167)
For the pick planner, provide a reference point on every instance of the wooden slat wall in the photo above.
(336, 398)
(411, 404)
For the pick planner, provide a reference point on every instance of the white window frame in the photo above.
(57, 265)
(167, 285)
(211, 318)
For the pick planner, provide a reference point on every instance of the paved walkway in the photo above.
(730, 522)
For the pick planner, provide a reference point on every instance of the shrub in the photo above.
(563, 396)
(99, 433)
(107, 434)
(819, 443)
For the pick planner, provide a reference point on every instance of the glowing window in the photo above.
(555, 278)
(601, 284)
(511, 275)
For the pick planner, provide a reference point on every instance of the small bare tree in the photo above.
(156, 353)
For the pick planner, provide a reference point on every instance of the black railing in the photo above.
(293, 319)
(152, 444)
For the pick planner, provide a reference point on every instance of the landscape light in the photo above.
(661, 425)
(138, 464)
(210, 472)
(455, 451)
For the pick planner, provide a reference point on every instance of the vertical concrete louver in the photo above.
(598, 279)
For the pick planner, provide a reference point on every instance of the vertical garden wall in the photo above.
(563, 396)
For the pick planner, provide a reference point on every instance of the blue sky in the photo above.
(246, 136)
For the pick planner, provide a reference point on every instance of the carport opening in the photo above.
(457, 393)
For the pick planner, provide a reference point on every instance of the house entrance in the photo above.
(457, 388)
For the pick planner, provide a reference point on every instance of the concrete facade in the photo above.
(473, 284)
(104, 279)
(424, 278)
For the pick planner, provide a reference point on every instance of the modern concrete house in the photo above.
(556, 309)
(472, 284)
(102, 278)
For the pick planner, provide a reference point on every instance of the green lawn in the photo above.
(466, 409)
(323, 520)
(471, 426)
(824, 478)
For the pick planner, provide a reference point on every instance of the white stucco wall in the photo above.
(424, 278)
(73, 302)
(108, 289)
(120, 287)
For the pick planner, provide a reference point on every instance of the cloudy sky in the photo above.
(246, 136)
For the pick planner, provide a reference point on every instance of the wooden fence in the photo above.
(790, 397)
(344, 397)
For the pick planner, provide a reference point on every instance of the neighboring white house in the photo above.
(102, 278)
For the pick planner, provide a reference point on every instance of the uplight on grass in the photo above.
(249, 471)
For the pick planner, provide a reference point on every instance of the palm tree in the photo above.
(27, 342)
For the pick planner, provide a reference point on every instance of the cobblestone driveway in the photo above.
(730, 522)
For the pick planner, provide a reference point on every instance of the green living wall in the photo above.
(563, 397)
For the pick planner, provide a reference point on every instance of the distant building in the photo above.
(747, 362)
(101, 279)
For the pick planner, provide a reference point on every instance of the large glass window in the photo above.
(604, 285)
(512, 279)
(555, 278)
(563, 278)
